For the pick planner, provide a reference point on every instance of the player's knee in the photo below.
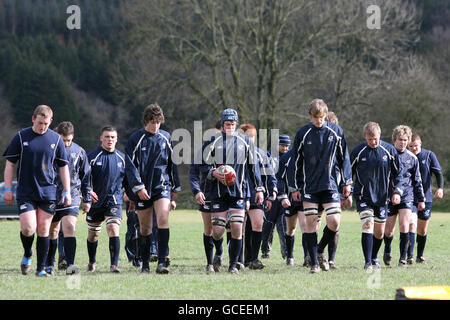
(94, 231)
(367, 221)
(218, 222)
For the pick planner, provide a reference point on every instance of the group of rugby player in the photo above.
(55, 176)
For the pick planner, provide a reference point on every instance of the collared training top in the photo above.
(80, 175)
(39, 156)
(377, 173)
(429, 164)
(150, 165)
(237, 151)
(107, 174)
(318, 153)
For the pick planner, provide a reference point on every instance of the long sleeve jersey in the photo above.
(237, 151)
(267, 175)
(107, 174)
(429, 164)
(80, 175)
(149, 159)
(377, 173)
(39, 157)
(410, 177)
(318, 152)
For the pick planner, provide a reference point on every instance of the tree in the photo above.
(270, 58)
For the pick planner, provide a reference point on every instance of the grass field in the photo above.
(187, 279)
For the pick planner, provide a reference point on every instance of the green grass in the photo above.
(187, 279)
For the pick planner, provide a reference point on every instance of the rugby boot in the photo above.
(289, 262)
(62, 264)
(42, 274)
(410, 260)
(421, 260)
(72, 269)
(256, 265)
(333, 265)
(162, 269)
(209, 269)
(323, 262)
(233, 269)
(307, 262)
(387, 259)
(91, 267)
(402, 263)
(376, 264)
(25, 265)
(114, 269)
(368, 266)
(217, 263)
(315, 269)
(50, 270)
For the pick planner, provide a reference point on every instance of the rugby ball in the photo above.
(230, 174)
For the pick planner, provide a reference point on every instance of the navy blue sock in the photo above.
(311, 241)
(256, 244)
(163, 244)
(92, 250)
(376, 246)
(332, 246)
(235, 249)
(114, 250)
(304, 245)
(327, 236)
(289, 246)
(144, 249)
(412, 243)
(228, 238)
(404, 240)
(27, 244)
(421, 240)
(53, 245)
(367, 245)
(218, 246)
(61, 252)
(70, 247)
(42, 244)
(388, 244)
(208, 244)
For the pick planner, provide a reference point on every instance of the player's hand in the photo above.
(421, 206)
(86, 207)
(296, 196)
(439, 194)
(259, 197)
(94, 196)
(173, 205)
(173, 196)
(268, 205)
(132, 207)
(200, 198)
(143, 194)
(285, 203)
(66, 198)
(346, 190)
(346, 203)
(125, 197)
(8, 197)
(218, 175)
(395, 199)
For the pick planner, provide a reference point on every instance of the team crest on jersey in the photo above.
(163, 145)
(309, 142)
(99, 163)
(384, 157)
(363, 159)
(25, 144)
(240, 147)
(363, 205)
(423, 161)
(52, 146)
(73, 155)
(330, 138)
(119, 164)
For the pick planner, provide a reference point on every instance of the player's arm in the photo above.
(254, 173)
(8, 196)
(345, 167)
(84, 174)
(132, 172)
(397, 174)
(418, 187)
(64, 174)
(437, 171)
(295, 168)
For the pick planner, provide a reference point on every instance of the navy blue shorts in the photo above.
(227, 203)
(327, 196)
(205, 207)
(425, 214)
(61, 212)
(145, 204)
(393, 209)
(99, 214)
(294, 208)
(48, 206)
(379, 212)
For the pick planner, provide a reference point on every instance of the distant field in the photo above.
(187, 279)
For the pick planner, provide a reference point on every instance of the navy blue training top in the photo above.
(107, 174)
(38, 157)
(428, 164)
